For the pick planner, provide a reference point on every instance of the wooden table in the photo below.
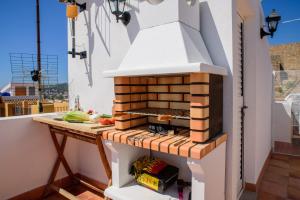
(91, 133)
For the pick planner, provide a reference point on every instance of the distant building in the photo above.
(20, 89)
(17, 105)
(285, 57)
(24, 101)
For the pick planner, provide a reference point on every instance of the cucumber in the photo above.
(106, 116)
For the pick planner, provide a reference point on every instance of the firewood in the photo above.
(164, 117)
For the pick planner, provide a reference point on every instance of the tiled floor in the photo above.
(80, 191)
(287, 148)
(282, 179)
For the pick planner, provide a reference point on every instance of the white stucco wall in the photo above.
(258, 94)
(281, 122)
(216, 28)
(27, 156)
(107, 43)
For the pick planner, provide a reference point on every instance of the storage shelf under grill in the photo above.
(175, 113)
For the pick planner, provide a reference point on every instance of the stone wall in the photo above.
(286, 56)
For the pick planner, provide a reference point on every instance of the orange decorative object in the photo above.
(72, 11)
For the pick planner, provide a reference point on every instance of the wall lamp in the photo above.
(82, 7)
(72, 14)
(272, 23)
(117, 8)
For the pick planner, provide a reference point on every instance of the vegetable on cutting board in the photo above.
(106, 119)
(83, 117)
(76, 117)
(105, 116)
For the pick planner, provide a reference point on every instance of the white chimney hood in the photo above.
(169, 48)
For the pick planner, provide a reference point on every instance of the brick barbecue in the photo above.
(191, 101)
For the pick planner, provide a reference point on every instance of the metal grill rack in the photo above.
(175, 113)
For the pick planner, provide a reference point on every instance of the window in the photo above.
(20, 91)
(31, 91)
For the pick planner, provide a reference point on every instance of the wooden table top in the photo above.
(91, 129)
(179, 144)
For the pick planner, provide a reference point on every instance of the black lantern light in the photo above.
(272, 22)
(117, 8)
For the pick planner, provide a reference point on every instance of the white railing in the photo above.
(286, 108)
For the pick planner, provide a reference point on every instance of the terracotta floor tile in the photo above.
(274, 188)
(280, 157)
(293, 193)
(268, 196)
(294, 182)
(276, 178)
(295, 163)
(278, 170)
(279, 163)
(79, 191)
(281, 180)
(56, 197)
(287, 148)
(294, 173)
(84, 195)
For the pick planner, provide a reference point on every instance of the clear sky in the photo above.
(18, 33)
(289, 10)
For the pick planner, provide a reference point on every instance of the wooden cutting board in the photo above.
(89, 127)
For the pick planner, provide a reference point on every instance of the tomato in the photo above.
(112, 120)
(104, 121)
(107, 121)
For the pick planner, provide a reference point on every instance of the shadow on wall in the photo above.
(217, 53)
(91, 39)
(133, 27)
(102, 22)
(134, 6)
(281, 122)
(211, 36)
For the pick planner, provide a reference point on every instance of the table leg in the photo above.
(60, 154)
(55, 168)
(104, 160)
(60, 159)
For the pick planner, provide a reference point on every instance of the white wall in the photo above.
(107, 43)
(281, 122)
(258, 94)
(27, 156)
(217, 31)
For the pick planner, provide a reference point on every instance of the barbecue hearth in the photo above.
(191, 101)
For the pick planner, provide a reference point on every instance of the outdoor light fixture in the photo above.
(154, 2)
(82, 7)
(35, 74)
(117, 8)
(272, 22)
(72, 14)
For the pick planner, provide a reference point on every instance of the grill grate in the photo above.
(175, 113)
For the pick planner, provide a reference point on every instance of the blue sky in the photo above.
(17, 33)
(289, 10)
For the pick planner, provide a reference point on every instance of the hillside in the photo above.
(56, 92)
